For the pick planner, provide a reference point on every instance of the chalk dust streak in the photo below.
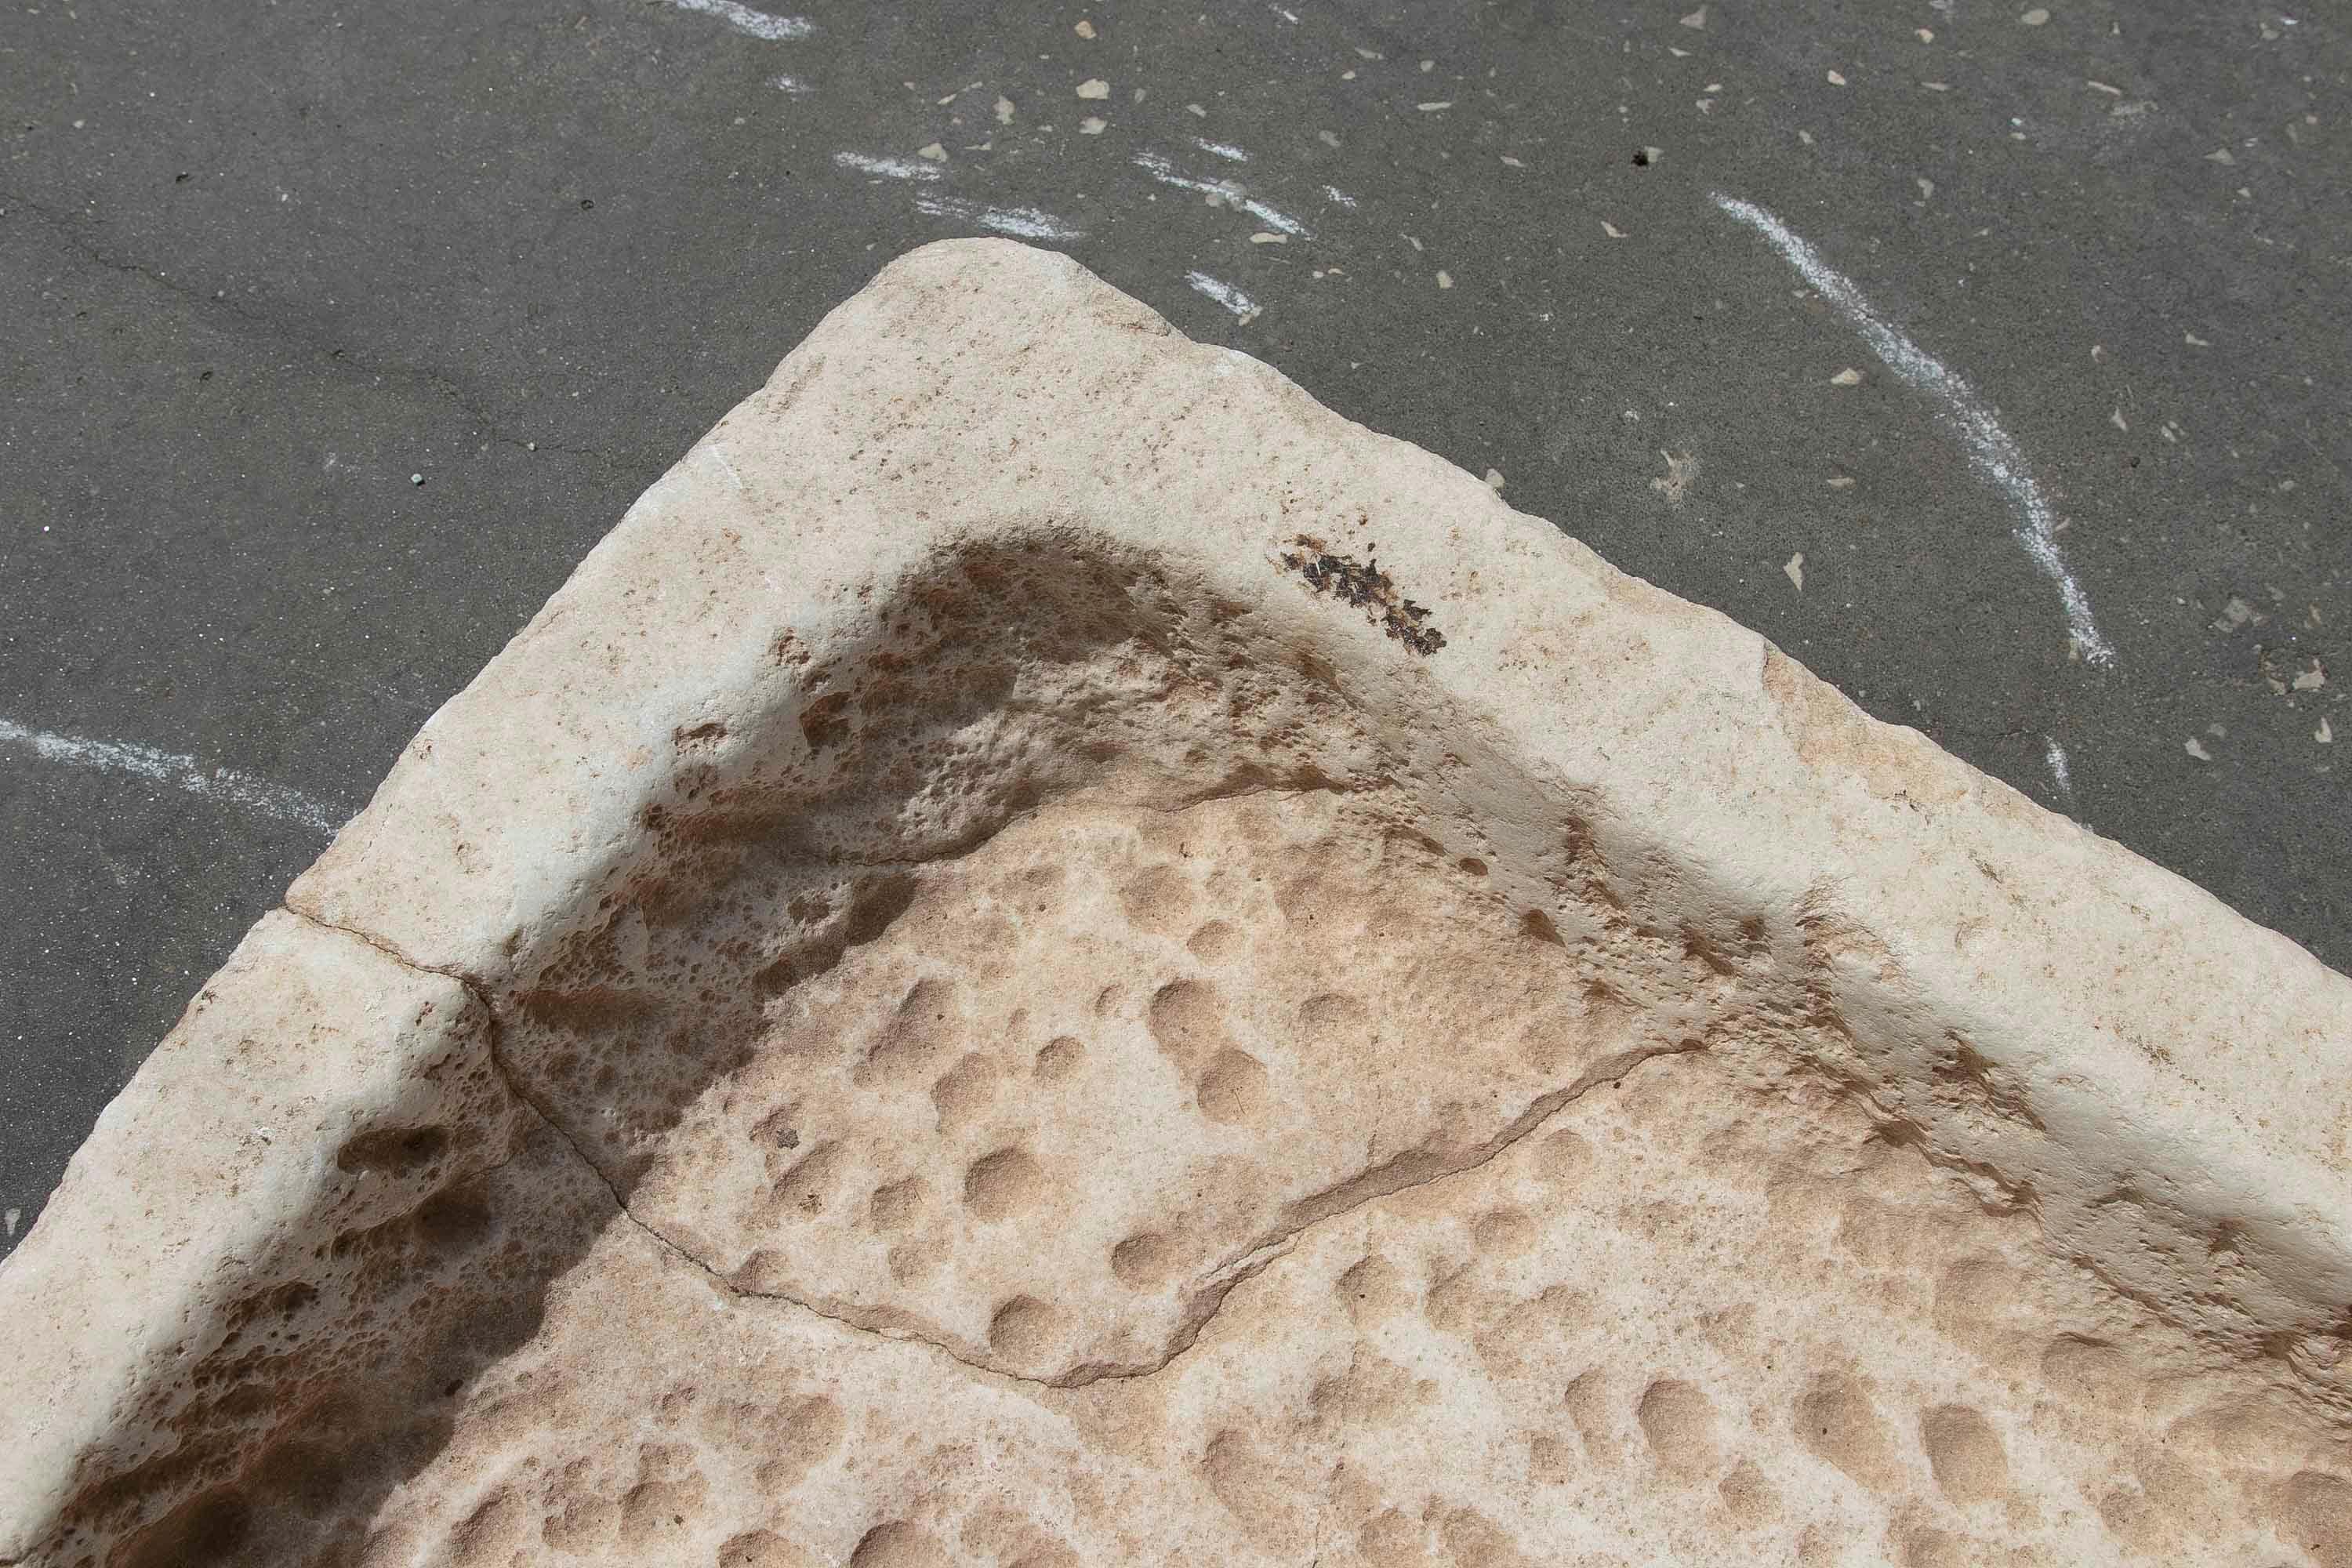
(180, 773)
(1995, 455)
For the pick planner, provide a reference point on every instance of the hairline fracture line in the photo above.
(180, 773)
(1991, 447)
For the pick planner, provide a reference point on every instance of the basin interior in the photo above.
(1084, 1087)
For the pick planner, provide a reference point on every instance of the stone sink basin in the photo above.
(1054, 955)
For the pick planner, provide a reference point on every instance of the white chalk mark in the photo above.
(791, 86)
(180, 773)
(1336, 195)
(2059, 770)
(892, 168)
(1028, 223)
(1229, 192)
(1223, 293)
(759, 23)
(1225, 150)
(1996, 455)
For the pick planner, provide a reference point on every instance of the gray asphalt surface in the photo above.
(262, 263)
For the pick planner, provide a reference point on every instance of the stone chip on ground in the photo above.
(1053, 954)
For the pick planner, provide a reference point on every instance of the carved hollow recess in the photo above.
(1082, 1072)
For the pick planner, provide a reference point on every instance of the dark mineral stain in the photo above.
(1366, 586)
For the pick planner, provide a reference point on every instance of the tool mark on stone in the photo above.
(1366, 586)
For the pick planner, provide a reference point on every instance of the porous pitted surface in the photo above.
(1054, 955)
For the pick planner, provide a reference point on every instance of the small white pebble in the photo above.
(1085, 29)
(1328, 139)
(1926, 35)
(1196, 109)
(1494, 479)
(1094, 87)
(1796, 571)
(2035, 18)
(1004, 111)
(1434, 108)
(1268, 237)
(934, 152)
(2325, 735)
(1849, 376)
(1093, 125)
(417, 478)
(1843, 482)
(1444, 279)
(1836, 81)
(1611, 230)
(2310, 679)
(1697, 20)
(2116, 419)
(2196, 748)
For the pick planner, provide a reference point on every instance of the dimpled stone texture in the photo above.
(1052, 955)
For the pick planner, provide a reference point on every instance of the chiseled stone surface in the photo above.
(1052, 954)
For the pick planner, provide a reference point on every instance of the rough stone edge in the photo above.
(2154, 1029)
(2226, 1083)
(303, 1041)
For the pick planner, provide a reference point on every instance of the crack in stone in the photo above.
(1539, 1112)
(480, 995)
(1206, 1302)
(334, 356)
